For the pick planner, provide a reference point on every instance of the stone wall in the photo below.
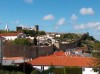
(73, 45)
(27, 51)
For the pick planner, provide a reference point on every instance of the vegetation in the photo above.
(67, 37)
(24, 68)
(89, 42)
(33, 33)
(10, 72)
(3, 31)
(96, 54)
(64, 70)
(30, 70)
(22, 41)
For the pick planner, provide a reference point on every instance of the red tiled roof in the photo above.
(59, 53)
(62, 61)
(13, 58)
(9, 34)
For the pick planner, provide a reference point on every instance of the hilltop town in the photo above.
(43, 49)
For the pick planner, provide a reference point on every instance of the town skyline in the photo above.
(79, 16)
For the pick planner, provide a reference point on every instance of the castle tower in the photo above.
(19, 29)
(36, 28)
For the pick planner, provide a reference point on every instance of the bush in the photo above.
(22, 41)
(64, 70)
(10, 72)
(25, 67)
(36, 72)
(73, 70)
(22, 68)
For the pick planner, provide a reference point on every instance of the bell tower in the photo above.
(6, 28)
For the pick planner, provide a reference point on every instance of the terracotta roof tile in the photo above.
(62, 61)
(12, 58)
(9, 34)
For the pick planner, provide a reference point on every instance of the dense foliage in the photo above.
(10, 72)
(96, 54)
(64, 70)
(22, 41)
(89, 42)
(96, 51)
(3, 31)
(24, 68)
(67, 37)
(33, 33)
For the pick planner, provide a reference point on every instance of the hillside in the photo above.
(87, 41)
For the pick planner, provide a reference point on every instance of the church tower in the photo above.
(6, 28)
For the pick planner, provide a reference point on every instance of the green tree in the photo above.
(42, 33)
(96, 54)
(33, 33)
(22, 41)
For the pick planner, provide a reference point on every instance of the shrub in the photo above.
(22, 41)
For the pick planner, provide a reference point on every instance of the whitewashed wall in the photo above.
(11, 62)
(10, 37)
(89, 71)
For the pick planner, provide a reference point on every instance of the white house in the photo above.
(13, 60)
(13, 36)
(9, 36)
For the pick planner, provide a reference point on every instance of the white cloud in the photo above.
(57, 27)
(73, 17)
(98, 28)
(86, 11)
(89, 25)
(61, 21)
(49, 17)
(79, 27)
(16, 22)
(29, 1)
(92, 24)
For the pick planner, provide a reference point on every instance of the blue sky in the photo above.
(78, 16)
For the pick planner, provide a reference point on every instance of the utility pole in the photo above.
(24, 60)
(1, 51)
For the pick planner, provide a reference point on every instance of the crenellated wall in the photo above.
(73, 45)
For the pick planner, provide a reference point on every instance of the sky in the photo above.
(69, 16)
